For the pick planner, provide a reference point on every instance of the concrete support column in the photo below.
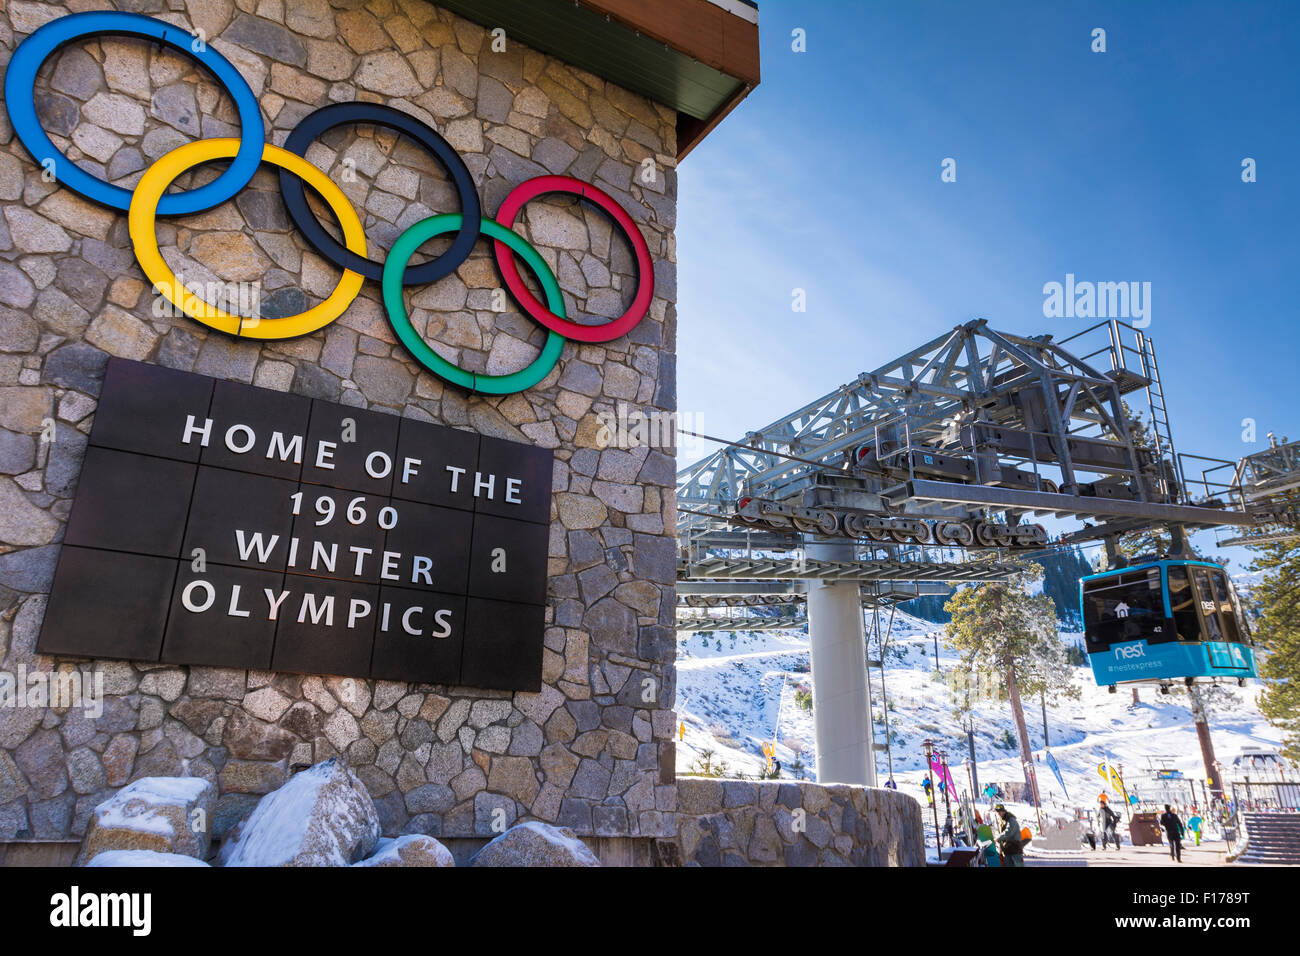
(841, 702)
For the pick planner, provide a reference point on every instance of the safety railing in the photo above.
(1117, 353)
(1201, 487)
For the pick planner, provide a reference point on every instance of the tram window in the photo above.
(1183, 604)
(1125, 607)
(1209, 607)
(1227, 612)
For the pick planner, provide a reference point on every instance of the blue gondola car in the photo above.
(1165, 621)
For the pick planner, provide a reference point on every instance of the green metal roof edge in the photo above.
(587, 40)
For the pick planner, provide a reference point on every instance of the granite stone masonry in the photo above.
(593, 750)
(795, 823)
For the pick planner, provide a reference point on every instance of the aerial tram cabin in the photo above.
(1164, 622)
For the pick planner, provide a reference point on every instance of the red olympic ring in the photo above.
(531, 189)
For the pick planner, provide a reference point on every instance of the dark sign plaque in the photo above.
(221, 524)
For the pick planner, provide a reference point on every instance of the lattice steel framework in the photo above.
(955, 442)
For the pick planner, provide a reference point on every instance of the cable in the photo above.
(755, 448)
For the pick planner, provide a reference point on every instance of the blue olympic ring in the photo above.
(20, 82)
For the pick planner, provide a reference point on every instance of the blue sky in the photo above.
(1115, 166)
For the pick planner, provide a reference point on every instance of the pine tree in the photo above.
(1153, 539)
(1278, 633)
(1006, 634)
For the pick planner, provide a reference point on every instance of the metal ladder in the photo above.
(1160, 430)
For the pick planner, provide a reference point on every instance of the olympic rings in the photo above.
(313, 124)
(537, 186)
(20, 81)
(150, 199)
(140, 223)
(401, 253)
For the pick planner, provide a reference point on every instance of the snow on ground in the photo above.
(733, 688)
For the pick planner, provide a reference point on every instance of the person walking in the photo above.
(1194, 823)
(1174, 830)
(1009, 841)
(1109, 822)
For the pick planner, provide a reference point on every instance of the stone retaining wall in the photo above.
(797, 823)
(593, 750)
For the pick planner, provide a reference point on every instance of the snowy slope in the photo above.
(733, 689)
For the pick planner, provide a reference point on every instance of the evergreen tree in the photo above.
(928, 608)
(1277, 631)
(1006, 634)
(1153, 539)
(1061, 573)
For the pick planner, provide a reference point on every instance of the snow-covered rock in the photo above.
(411, 850)
(143, 858)
(163, 814)
(535, 844)
(322, 817)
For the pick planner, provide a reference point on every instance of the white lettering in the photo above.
(325, 609)
(319, 554)
(264, 548)
(354, 612)
(188, 602)
(388, 465)
(234, 610)
(406, 621)
(191, 428)
(279, 449)
(421, 569)
(325, 454)
(239, 429)
(444, 624)
(274, 602)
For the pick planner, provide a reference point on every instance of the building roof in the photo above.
(698, 57)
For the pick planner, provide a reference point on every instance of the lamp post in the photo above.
(944, 780)
(928, 746)
(1032, 777)
(970, 745)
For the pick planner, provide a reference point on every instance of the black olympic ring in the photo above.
(340, 114)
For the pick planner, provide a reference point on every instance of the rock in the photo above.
(76, 74)
(412, 850)
(21, 522)
(150, 858)
(164, 814)
(30, 570)
(322, 817)
(78, 366)
(16, 290)
(17, 452)
(67, 452)
(33, 233)
(269, 39)
(388, 73)
(535, 844)
(118, 332)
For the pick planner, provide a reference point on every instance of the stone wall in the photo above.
(593, 750)
(797, 823)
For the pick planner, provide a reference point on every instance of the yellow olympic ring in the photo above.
(144, 207)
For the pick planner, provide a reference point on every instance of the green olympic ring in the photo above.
(395, 267)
